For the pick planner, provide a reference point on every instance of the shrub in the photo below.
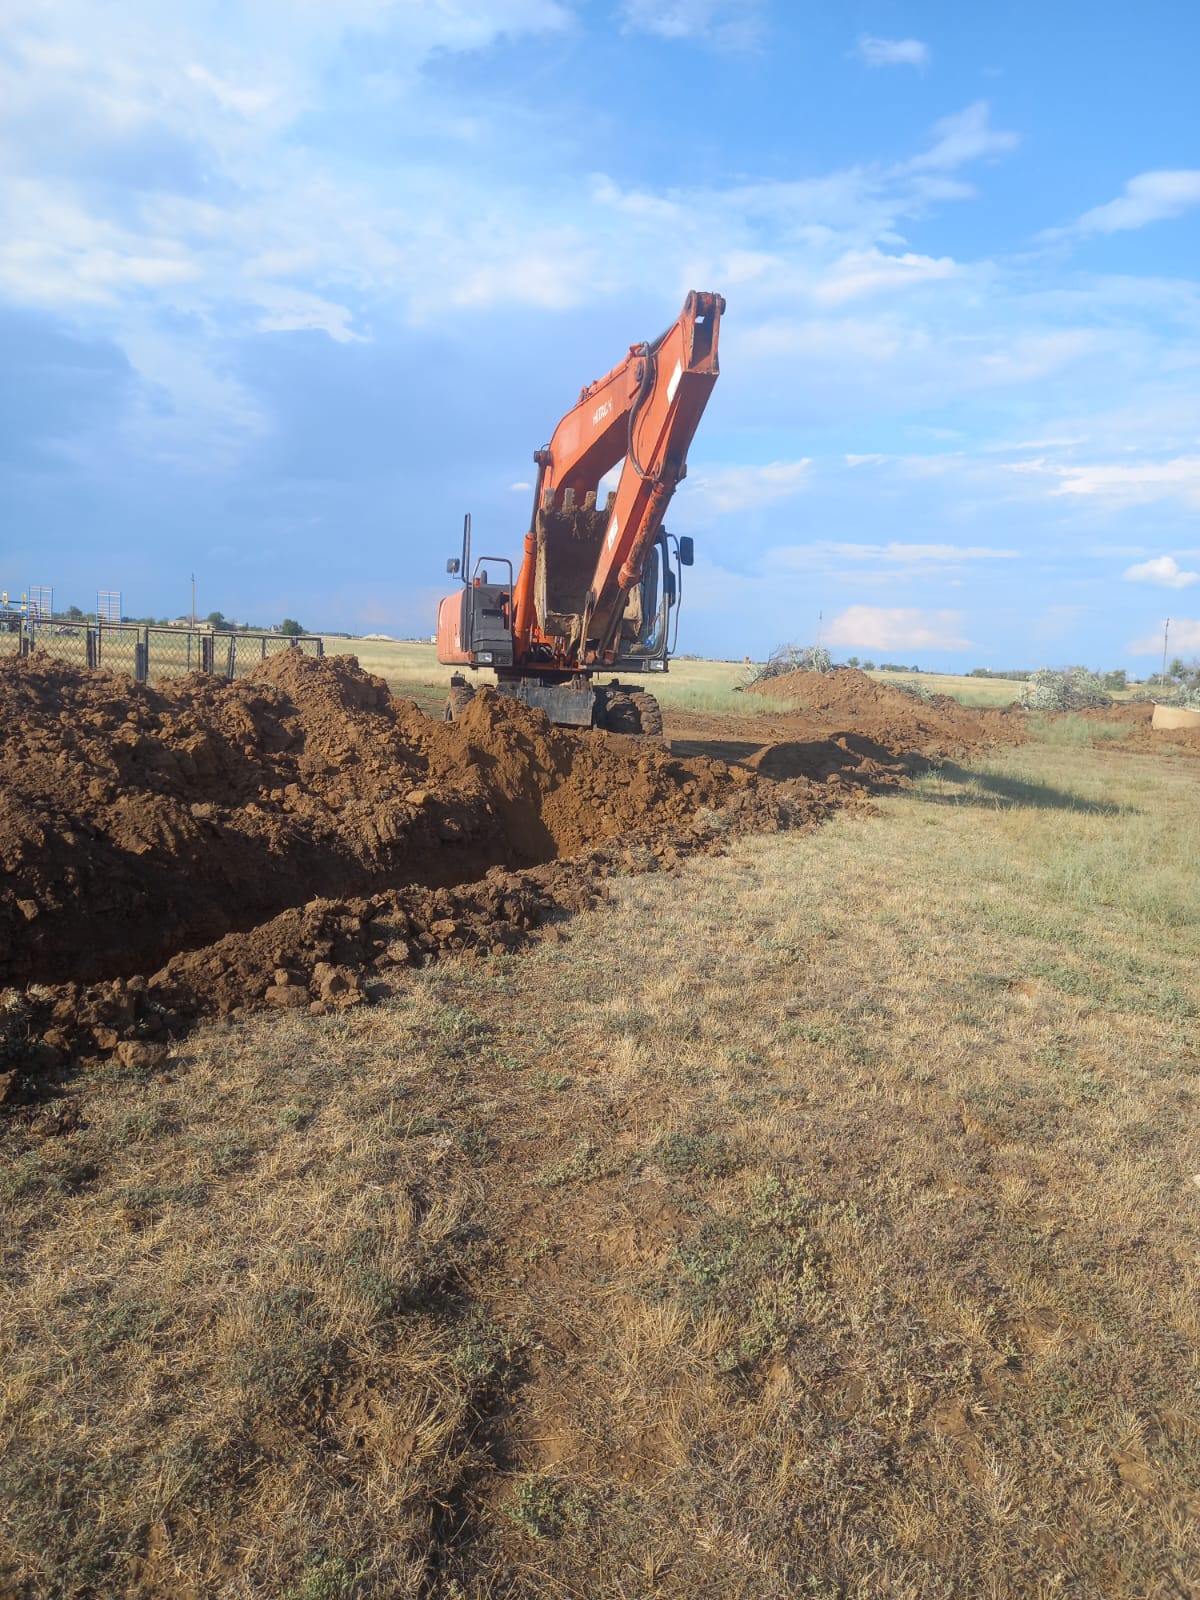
(1064, 689)
(791, 658)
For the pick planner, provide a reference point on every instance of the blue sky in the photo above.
(287, 287)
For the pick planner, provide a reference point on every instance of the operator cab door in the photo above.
(490, 608)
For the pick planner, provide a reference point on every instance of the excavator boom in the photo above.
(643, 414)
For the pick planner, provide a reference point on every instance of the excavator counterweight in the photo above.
(598, 583)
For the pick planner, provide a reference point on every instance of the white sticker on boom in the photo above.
(674, 383)
(614, 529)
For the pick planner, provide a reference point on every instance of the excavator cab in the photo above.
(647, 633)
(475, 625)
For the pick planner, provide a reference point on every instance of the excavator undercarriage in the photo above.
(580, 702)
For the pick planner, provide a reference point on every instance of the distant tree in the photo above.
(852, 661)
(216, 621)
(868, 666)
(74, 613)
(1116, 679)
(1177, 668)
(291, 627)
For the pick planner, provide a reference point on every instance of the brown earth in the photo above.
(1135, 718)
(197, 848)
(849, 700)
(845, 728)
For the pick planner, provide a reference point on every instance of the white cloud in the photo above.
(743, 488)
(966, 136)
(732, 24)
(521, 488)
(861, 272)
(1163, 571)
(1184, 635)
(895, 554)
(1136, 483)
(924, 552)
(893, 52)
(547, 271)
(1150, 197)
(248, 100)
(897, 628)
(1034, 444)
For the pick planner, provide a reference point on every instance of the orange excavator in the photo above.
(597, 586)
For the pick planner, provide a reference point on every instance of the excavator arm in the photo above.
(582, 564)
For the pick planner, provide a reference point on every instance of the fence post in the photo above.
(320, 647)
(206, 652)
(232, 655)
(92, 646)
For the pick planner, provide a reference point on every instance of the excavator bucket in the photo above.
(568, 545)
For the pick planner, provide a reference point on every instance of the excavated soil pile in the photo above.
(891, 719)
(198, 847)
(1135, 719)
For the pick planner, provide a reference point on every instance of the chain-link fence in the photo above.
(244, 651)
(69, 641)
(146, 652)
(11, 638)
(173, 651)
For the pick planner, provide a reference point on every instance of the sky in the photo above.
(286, 288)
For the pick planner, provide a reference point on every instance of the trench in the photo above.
(126, 912)
(139, 824)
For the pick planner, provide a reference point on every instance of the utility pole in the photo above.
(1163, 675)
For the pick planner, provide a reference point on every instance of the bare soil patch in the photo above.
(849, 700)
(197, 848)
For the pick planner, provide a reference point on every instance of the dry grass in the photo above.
(817, 1222)
(412, 669)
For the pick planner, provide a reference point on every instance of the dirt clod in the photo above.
(139, 1055)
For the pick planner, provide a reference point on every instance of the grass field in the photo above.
(691, 685)
(412, 669)
(820, 1221)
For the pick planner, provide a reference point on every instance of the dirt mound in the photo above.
(849, 758)
(197, 847)
(891, 718)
